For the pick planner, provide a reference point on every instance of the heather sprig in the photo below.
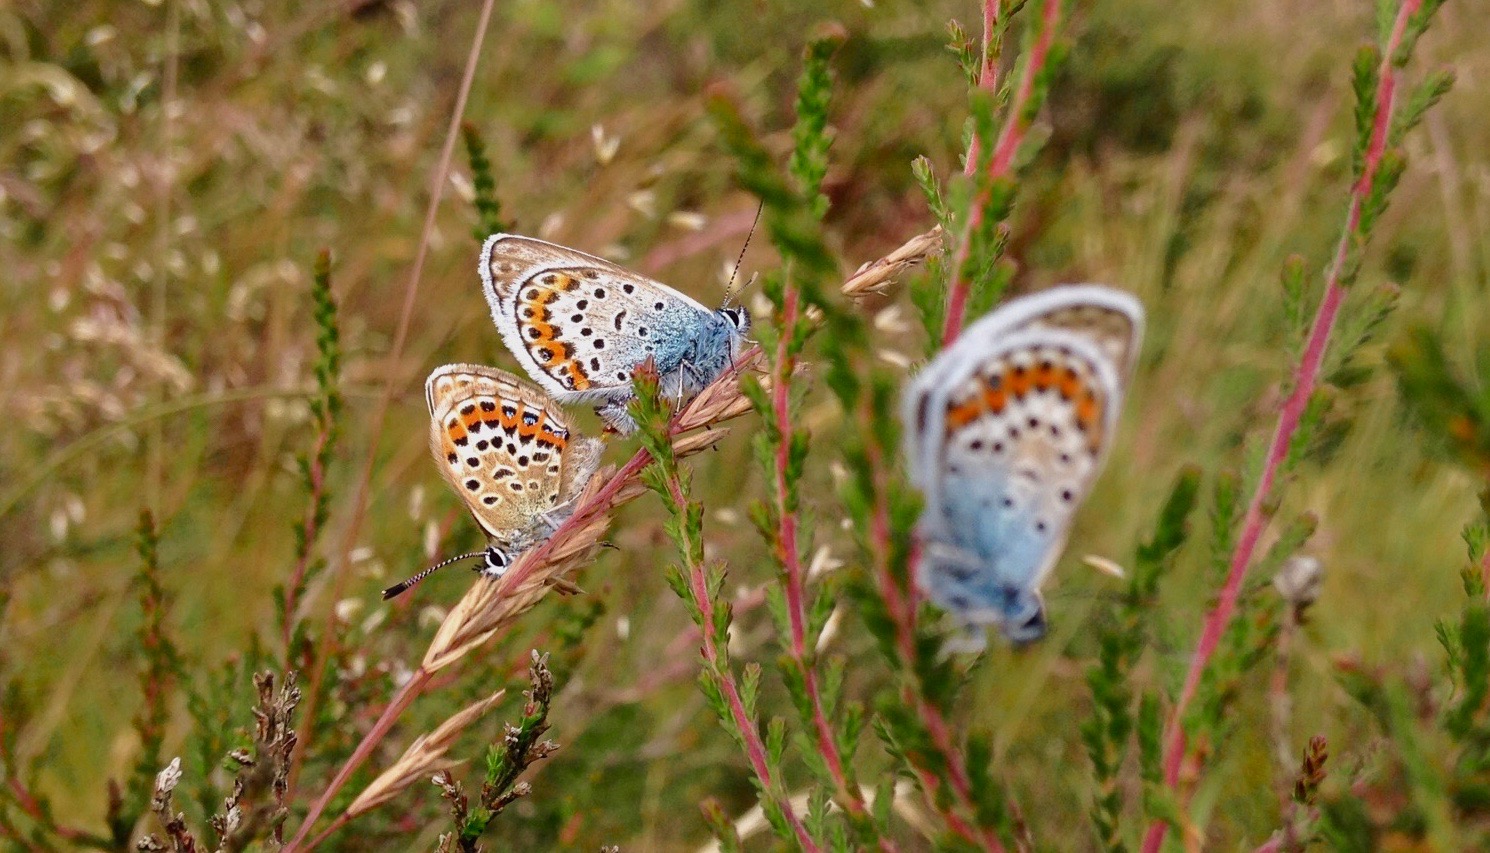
(1377, 164)
(1301, 816)
(1118, 709)
(325, 410)
(489, 219)
(160, 673)
(1447, 770)
(700, 583)
(830, 727)
(257, 808)
(998, 148)
(519, 749)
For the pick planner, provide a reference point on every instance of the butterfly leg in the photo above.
(697, 379)
(616, 417)
(678, 391)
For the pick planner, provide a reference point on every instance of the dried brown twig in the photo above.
(257, 806)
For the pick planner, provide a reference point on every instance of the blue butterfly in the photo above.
(580, 325)
(1005, 431)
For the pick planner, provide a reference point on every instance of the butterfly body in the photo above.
(508, 451)
(1005, 432)
(581, 325)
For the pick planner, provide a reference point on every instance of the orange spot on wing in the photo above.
(455, 432)
(1020, 380)
(581, 379)
(963, 414)
(993, 399)
(545, 347)
(1044, 376)
(1069, 384)
(1088, 414)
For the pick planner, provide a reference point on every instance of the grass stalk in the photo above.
(438, 180)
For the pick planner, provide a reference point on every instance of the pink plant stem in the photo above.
(901, 605)
(1305, 378)
(1485, 572)
(1015, 130)
(33, 807)
(755, 749)
(341, 821)
(405, 696)
(987, 75)
(791, 562)
(789, 554)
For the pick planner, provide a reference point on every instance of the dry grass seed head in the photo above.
(424, 758)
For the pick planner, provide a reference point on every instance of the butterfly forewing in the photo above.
(580, 324)
(501, 445)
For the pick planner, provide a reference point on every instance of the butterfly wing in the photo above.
(504, 447)
(1024, 431)
(1005, 433)
(1109, 319)
(580, 324)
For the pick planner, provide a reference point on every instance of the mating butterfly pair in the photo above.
(580, 326)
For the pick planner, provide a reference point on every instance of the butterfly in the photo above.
(1005, 431)
(507, 450)
(580, 325)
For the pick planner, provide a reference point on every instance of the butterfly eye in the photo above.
(738, 317)
(496, 558)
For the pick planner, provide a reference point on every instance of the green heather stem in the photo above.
(325, 407)
(989, 205)
(699, 586)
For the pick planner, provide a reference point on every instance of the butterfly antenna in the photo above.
(400, 587)
(729, 291)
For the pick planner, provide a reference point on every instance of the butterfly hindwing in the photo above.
(1023, 432)
(506, 449)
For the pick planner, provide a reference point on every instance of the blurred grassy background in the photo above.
(157, 263)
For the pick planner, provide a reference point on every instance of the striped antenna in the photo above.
(730, 294)
(398, 588)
